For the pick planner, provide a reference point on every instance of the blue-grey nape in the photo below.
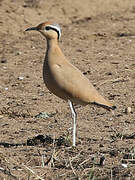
(57, 27)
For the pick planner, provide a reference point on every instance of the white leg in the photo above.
(74, 121)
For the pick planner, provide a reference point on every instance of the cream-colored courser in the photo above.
(62, 78)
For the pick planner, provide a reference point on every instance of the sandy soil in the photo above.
(98, 37)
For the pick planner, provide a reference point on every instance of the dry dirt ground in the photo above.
(98, 37)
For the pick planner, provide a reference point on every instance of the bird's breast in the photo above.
(51, 82)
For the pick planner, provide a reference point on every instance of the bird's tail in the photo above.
(105, 106)
(102, 102)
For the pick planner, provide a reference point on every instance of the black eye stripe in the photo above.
(49, 27)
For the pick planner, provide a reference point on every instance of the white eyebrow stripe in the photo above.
(57, 27)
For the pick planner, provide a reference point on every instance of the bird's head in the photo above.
(48, 30)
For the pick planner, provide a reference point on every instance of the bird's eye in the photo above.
(47, 28)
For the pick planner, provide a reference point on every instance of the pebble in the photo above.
(20, 77)
(18, 53)
(1, 116)
(124, 165)
(128, 110)
(3, 60)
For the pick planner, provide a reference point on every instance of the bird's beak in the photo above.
(32, 29)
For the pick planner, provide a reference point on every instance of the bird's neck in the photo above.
(52, 44)
(53, 50)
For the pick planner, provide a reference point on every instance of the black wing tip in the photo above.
(105, 106)
(113, 107)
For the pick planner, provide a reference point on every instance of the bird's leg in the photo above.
(74, 121)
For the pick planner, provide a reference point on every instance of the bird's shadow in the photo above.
(8, 145)
(42, 140)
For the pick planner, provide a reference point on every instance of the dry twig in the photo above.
(113, 81)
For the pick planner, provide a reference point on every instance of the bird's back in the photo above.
(67, 82)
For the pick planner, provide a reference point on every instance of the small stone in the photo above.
(42, 115)
(3, 60)
(34, 98)
(108, 73)
(113, 153)
(18, 53)
(124, 165)
(41, 94)
(20, 77)
(101, 145)
(128, 110)
(102, 160)
(1, 116)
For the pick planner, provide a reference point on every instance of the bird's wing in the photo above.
(72, 81)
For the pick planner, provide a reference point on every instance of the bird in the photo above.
(63, 79)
